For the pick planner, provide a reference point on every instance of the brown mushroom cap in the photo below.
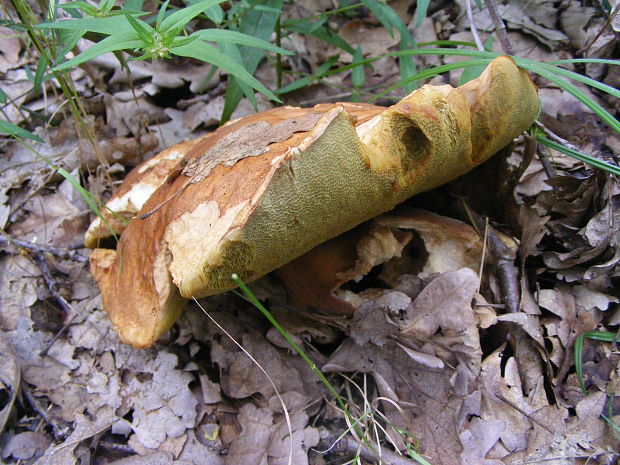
(259, 192)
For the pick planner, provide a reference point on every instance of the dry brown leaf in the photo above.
(503, 399)
(241, 377)
(442, 315)
(53, 220)
(253, 443)
(440, 327)
(18, 289)
(374, 41)
(478, 439)
(425, 394)
(9, 381)
(28, 445)
(10, 48)
(556, 437)
(85, 428)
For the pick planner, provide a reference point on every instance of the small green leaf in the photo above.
(421, 9)
(133, 5)
(3, 96)
(108, 25)
(87, 8)
(357, 73)
(17, 132)
(180, 18)
(234, 37)
(321, 71)
(255, 22)
(39, 74)
(160, 15)
(201, 50)
(105, 6)
(215, 14)
(122, 41)
(143, 30)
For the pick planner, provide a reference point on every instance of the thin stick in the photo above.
(59, 431)
(349, 446)
(484, 251)
(543, 155)
(70, 254)
(586, 47)
(500, 26)
(472, 26)
(553, 136)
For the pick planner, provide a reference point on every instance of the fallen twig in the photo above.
(472, 26)
(543, 155)
(59, 431)
(500, 26)
(70, 254)
(606, 24)
(504, 261)
(349, 446)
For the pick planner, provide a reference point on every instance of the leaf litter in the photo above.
(439, 363)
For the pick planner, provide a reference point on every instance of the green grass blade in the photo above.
(575, 76)
(239, 38)
(17, 132)
(107, 25)
(585, 60)
(205, 52)
(318, 31)
(578, 348)
(255, 22)
(454, 43)
(254, 301)
(357, 74)
(82, 6)
(603, 165)
(307, 80)
(421, 9)
(571, 89)
(161, 14)
(123, 41)
(428, 73)
(181, 17)
(39, 74)
(142, 29)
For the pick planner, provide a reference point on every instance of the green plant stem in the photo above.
(26, 16)
(278, 30)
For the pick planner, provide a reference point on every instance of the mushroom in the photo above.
(263, 190)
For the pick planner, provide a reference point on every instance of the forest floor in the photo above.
(434, 360)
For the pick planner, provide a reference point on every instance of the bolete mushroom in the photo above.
(263, 190)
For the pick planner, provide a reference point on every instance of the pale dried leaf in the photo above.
(25, 446)
(9, 379)
(18, 289)
(478, 439)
